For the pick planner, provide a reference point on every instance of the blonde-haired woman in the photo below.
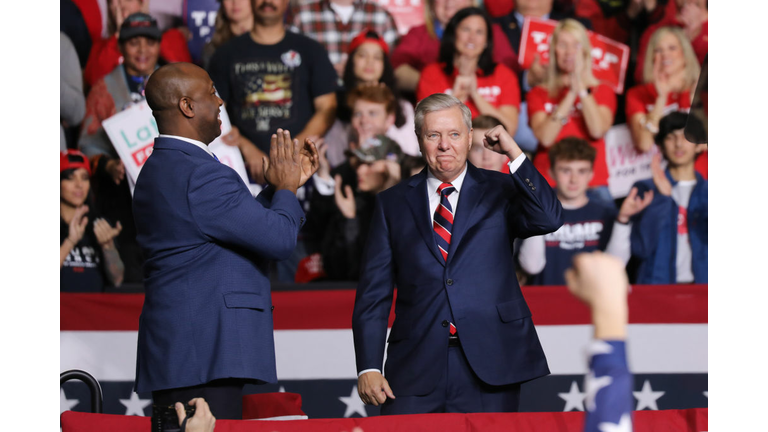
(670, 72)
(572, 102)
(420, 47)
(234, 18)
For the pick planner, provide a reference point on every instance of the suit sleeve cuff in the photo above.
(515, 164)
(367, 370)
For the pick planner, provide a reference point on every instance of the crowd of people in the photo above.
(338, 72)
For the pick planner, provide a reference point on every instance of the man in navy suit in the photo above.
(206, 325)
(462, 339)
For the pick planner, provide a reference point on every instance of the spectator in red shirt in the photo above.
(689, 15)
(234, 18)
(467, 71)
(670, 73)
(572, 103)
(105, 54)
(421, 45)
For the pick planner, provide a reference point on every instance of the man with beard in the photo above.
(206, 326)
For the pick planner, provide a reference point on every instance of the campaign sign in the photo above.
(407, 13)
(200, 18)
(133, 132)
(609, 58)
(625, 164)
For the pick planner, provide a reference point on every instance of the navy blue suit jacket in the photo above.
(207, 242)
(476, 288)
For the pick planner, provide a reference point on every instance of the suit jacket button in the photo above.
(533, 187)
(302, 220)
(445, 323)
(273, 308)
(449, 281)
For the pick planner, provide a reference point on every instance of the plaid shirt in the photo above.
(318, 21)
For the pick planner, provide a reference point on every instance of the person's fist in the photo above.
(373, 388)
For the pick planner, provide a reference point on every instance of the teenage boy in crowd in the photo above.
(588, 225)
(669, 238)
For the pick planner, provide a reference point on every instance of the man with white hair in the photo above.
(463, 339)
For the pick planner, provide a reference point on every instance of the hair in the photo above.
(576, 28)
(376, 94)
(448, 43)
(485, 122)
(672, 122)
(572, 149)
(112, 24)
(439, 102)
(221, 30)
(344, 112)
(408, 163)
(430, 18)
(692, 68)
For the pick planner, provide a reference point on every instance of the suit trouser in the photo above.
(224, 397)
(458, 390)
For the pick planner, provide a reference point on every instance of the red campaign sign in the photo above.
(140, 156)
(609, 58)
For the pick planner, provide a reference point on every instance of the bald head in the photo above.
(182, 97)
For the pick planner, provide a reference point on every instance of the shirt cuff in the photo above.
(515, 164)
(323, 186)
(367, 370)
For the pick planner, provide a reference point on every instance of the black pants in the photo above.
(224, 397)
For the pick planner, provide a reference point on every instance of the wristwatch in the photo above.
(585, 92)
(563, 120)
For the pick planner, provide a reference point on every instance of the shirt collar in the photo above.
(521, 19)
(433, 182)
(189, 140)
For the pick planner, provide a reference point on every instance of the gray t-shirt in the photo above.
(681, 193)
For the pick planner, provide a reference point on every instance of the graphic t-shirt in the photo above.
(585, 229)
(82, 269)
(681, 193)
(267, 87)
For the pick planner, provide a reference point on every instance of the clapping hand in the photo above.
(283, 169)
(77, 225)
(633, 205)
(345, 201)
(105, 233)
(660, 177)
(309, 159)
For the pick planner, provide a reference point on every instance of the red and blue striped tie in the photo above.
(443, 222)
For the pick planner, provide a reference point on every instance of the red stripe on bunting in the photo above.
(332, 309)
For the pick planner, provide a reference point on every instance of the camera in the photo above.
(164, 418)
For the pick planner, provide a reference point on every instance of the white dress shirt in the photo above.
(191, 141)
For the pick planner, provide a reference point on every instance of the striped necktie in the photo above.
(443, 220)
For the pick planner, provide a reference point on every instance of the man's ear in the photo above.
(187, 106)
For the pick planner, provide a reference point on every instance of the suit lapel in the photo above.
(418, 201)
(471, 194)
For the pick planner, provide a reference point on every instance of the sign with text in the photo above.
(133, 132)
(200, 18)
(609, 58)
(625, 165)
(407, 13)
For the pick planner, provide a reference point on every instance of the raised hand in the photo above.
(345, 201)
(77, 225)
(659, 177)
(500, 141)
(633, 205)
(661, 81)
(283, 168)
(116, 170)
(324, 168)
(537, 72)
(105, 233)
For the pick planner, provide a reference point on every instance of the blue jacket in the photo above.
(207, 310)
(476, 288)
(654, 234)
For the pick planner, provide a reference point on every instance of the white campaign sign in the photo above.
(625, 164)
(133, 132)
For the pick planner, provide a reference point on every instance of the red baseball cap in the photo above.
(368, 35)
(73, 159)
